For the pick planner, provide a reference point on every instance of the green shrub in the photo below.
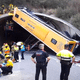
(75, 20)
(65, 13)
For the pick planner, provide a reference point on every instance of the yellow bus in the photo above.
(39, 29)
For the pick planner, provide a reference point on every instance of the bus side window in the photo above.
(53, 41)
(70, 46)
(16, 15)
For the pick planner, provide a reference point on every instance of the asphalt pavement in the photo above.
(25, 69)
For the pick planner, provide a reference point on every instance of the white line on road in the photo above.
(78, 65)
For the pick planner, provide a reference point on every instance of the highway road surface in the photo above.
(25, 69)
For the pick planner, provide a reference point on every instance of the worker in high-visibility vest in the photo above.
(12, 50)
(3, 8)
(16, 51)
(66, 59)
(6, 50)
(7, 68)
(11, 7)
(22, 51)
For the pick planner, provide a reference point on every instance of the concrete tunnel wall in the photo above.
(19, 34)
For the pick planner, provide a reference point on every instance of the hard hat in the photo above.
(7, 56)
(10, 5)
(2, 5)
(5, 9)
(21, 42)
(0, 52)
(6, 45)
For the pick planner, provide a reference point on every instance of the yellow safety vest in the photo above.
(7, 50)
(16, 48)
(65, 54)
(9, 63)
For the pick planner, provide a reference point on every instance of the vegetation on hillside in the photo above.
(68, 10)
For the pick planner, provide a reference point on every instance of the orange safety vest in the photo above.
(7, 50)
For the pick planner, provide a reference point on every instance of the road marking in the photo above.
(78, 65)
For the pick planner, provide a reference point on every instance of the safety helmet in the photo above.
(5, 9)
(6, 45)
(7, 56)
(10, 4)
(21, 43)
(2, 5)
(0, 52)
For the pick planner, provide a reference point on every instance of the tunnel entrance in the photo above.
(17, 34)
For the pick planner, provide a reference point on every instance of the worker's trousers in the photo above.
(16, 57)
(6, 69)
(42, 67)
(65, 70)
(22, 54)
